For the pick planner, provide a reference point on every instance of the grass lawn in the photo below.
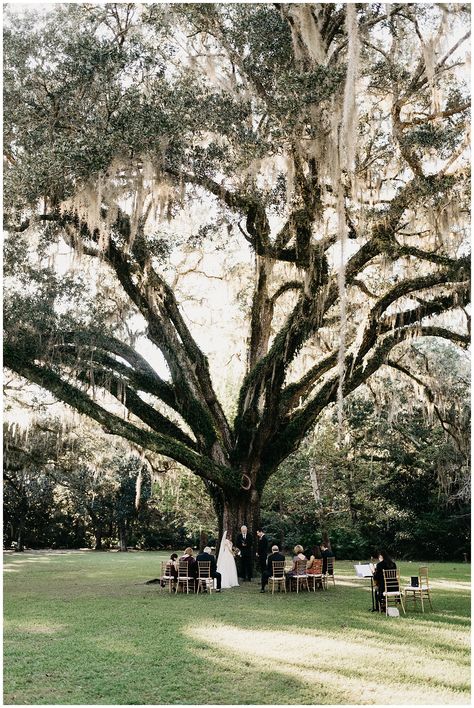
(81, 627)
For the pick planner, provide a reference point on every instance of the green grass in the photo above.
(81, 627)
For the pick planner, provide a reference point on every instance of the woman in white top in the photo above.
(226, 564)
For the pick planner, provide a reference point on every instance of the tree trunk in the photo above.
(203, 539)
(123, 537)
(20, 547)
(98, 539)
(97, 529)
(242, 509)
(326, 540)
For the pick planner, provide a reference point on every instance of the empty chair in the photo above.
(418, 592)
(278, 575)
(392, 592)
(204, 578)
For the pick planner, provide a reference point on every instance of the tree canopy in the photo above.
(330, 139)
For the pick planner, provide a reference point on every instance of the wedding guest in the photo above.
(244, 544)
(171, 567)
(262, 550)
(206, 555)
(299, 556)
(326, 553)
(275, 555)
(385, 563)
(314, 566)
(189, 558)
(314, 551)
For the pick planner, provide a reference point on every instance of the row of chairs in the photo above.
(301, 578)
(392, 593)
(411, 593)
(202, 581)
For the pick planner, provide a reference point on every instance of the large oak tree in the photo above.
(330, 138)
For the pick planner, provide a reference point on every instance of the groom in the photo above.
(244, 544)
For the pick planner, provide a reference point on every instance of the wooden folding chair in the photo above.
(278, 575)
(392, 590)
(315, 577)
(183, 576)
(329, 572)
(413, 592)
(300, 577)
(166, 577)
(204, 578)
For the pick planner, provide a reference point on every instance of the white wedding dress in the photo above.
(226, 564)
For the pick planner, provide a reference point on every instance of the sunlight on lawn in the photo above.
(451, 616)
(406, 675)
(33, 627)
(450, 585)
(350, 583)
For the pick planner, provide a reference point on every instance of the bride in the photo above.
(226, 563)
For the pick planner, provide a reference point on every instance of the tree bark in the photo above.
(20, 547)
(241, 509)
(203, 539)
(122, 537)
(98, 540)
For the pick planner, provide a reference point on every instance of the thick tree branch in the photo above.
(164, 445)
(293, 429)
(460, 108)
(116, 387)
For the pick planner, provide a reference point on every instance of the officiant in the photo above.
(244, 544)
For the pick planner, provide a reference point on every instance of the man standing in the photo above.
(244, 544)
(275, 555)
(206, 555)
(262, 550)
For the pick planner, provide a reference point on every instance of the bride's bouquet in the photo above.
(235, 551)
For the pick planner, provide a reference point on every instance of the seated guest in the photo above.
(385, 563)
(315, 567)
(299, 556)
(189, 558)
(325, 554)
(275, 555)
(314, 551)
(206, 555)
(171, 567)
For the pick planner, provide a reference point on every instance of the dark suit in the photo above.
(214, 574)
(277, 556)
(262, 550)
(325, 555)
(245, 547)
(192, 568)
(379, 579)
